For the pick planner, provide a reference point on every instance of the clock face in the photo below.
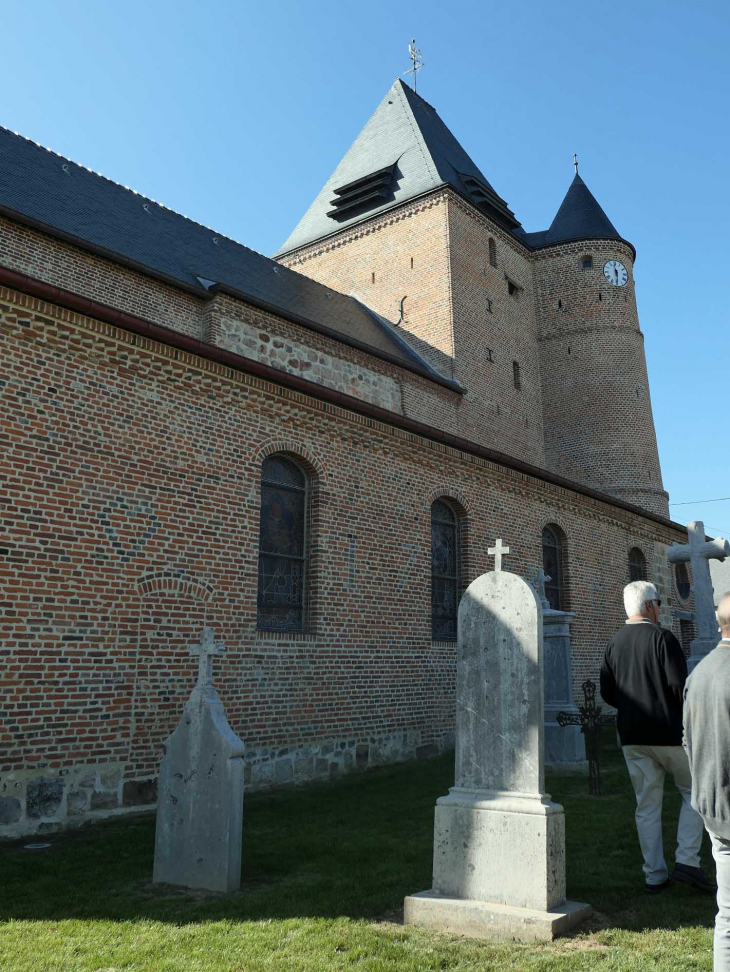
(616, 273)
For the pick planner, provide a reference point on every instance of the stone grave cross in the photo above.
(538, 579)
(205, 650)
(698, 552)
(200, 804)
(497, 551)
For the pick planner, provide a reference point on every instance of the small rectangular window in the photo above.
(587, 263)
(513, 289)
(516, 375)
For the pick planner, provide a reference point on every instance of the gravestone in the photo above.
(499, 840)
(564, 746)
(200, 802)
(698, 552)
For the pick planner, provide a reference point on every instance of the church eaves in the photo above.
(404, 151)
(57, 196)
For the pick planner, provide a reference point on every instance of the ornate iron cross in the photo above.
(590, 719)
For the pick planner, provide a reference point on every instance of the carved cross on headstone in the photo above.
(497, 551)
(538, 579)
(698, 552)
(205, 650)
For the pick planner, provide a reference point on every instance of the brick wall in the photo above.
(130, 512)
(596, 399)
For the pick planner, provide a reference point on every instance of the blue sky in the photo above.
(235, 113)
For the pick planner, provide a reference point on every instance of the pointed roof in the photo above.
(403, 151)
(579, 218)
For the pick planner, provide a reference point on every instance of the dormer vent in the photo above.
(488, 201)
(363, 193)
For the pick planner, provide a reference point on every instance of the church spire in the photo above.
(404, 151)
(580, 217)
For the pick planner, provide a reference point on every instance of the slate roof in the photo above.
(58, 196)
(579, 218)
(407, 135)
(405, 132)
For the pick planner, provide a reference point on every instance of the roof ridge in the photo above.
(119, 185)
(418, 134)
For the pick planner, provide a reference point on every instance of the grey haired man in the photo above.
(643, 676)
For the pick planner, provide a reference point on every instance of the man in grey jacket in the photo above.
(707, 741)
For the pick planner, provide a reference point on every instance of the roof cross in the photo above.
(497, 551)
(416, 60)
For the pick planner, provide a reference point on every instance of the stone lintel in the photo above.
(483, 919)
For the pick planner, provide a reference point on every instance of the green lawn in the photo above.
(326, 868)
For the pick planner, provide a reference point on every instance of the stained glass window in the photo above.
(282, 546)
(445, 572)
(553, 565)
(637, 564)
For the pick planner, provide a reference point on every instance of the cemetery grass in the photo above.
(326, 869)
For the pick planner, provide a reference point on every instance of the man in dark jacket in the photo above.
(643, 676)
(707, 741)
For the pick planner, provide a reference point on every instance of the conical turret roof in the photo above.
(403, 151)
(579, 218)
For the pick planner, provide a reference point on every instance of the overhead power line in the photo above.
(721, 499)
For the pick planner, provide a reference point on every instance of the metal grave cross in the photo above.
(497, 551)
(205, 650)
(591, 719)
(699, 552)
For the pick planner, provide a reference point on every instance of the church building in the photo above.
(312, 454)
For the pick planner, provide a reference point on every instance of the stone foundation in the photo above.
(47, 800)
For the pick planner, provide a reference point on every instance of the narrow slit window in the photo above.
(283, 548)
(445, 571)
(492, 252)
(516, 376)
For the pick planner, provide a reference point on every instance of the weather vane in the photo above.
(417, 61)
(575, 162)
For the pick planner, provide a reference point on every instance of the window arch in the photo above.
(283, 548)
(637, 564)
(492, 252)
(553, 563)
(445, 570)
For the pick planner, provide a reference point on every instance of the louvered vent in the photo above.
(487, 200)
(364, 193)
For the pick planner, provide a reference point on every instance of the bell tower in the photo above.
(597, 413)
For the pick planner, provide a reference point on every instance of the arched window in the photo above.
(492, 252)
(282, 546)
(681, 579)
(553, 563)
(445, 571)
(637, 564)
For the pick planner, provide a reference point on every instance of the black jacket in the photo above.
(643, 676)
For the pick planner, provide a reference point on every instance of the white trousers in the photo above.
(648, 766)
(721, 853)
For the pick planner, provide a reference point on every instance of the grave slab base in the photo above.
(482, 919)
